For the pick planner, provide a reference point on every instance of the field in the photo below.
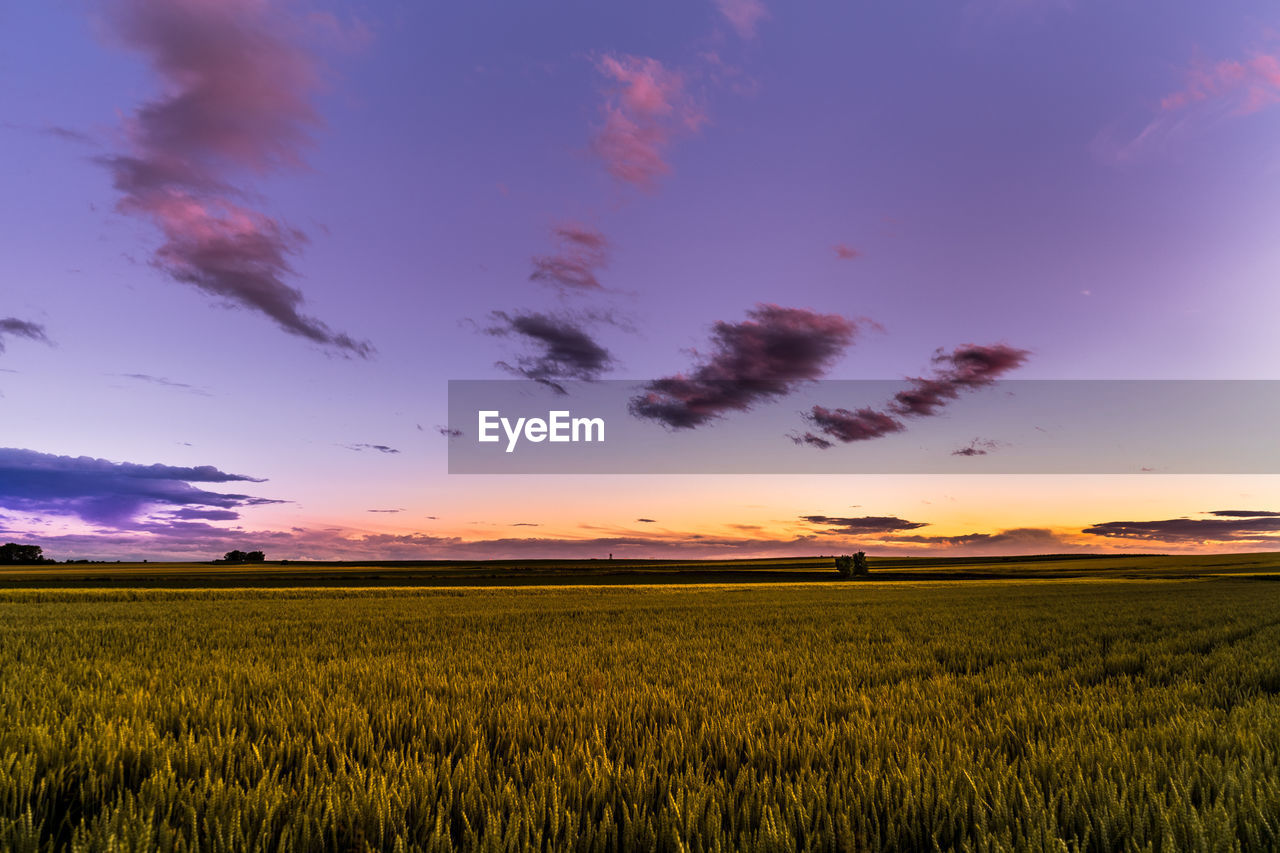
(1136, 707)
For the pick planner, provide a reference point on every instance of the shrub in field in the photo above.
(243, 557)
(852, 565)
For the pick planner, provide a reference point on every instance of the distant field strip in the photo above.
(1100, 715)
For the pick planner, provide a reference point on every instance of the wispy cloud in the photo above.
(645, 109)
(237, 92)
(380, 448)
(764, 357)
(1211, 91)
(583, 252)
(563, 348)
(845, 425)
(1247, 85)
(845, 253)
(15, 328)
(743, 15)
(1244, 513)
(164, 383)
(977, 447)
(966, 368)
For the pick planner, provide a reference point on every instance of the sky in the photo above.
(249, 243)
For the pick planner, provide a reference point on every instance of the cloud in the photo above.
(203, 514)
(1247, 86)
(862, 525)
(13, 327)
(646, 108)
(236, 97)
(564, 348)
(646, 521)
(68, 134)
(1226, 526)
(385, 510)
(448, 432)
(1244, 513)
(845, 253)
(381, 448)
(115, 494)
(1211, 90)
(764, 357)
(847, 426)
(1033, 539)
(583, 252)
(166, 383)
(966, 368)
(977, 447)
(743, 15)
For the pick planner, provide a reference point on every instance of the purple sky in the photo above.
(252, 241)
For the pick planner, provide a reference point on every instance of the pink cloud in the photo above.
(743, 15)
(583, 252)
(236, 97)
(646, 108)
(1229, 86)
(845, 253)
(1252, 84)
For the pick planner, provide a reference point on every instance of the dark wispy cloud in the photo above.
(380, 448)
(1224, 526)
(165, 383)
(15, 328)
(115, 494)
(1244, 513)
(846, 425)
(646, 107)
(977, 447)
(449, 432)
(582, 253)
(966, 368)
(237, 97)
(68, 134)
(385, 510)
(862, 525)
(764, 357)
(562, 347)
(646, 521)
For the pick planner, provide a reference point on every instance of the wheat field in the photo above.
(1099, 715)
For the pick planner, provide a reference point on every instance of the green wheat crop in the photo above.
(1005, 715)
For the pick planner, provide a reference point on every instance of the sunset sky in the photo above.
(248, 243)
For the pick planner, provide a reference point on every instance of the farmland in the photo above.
(1136, 707)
